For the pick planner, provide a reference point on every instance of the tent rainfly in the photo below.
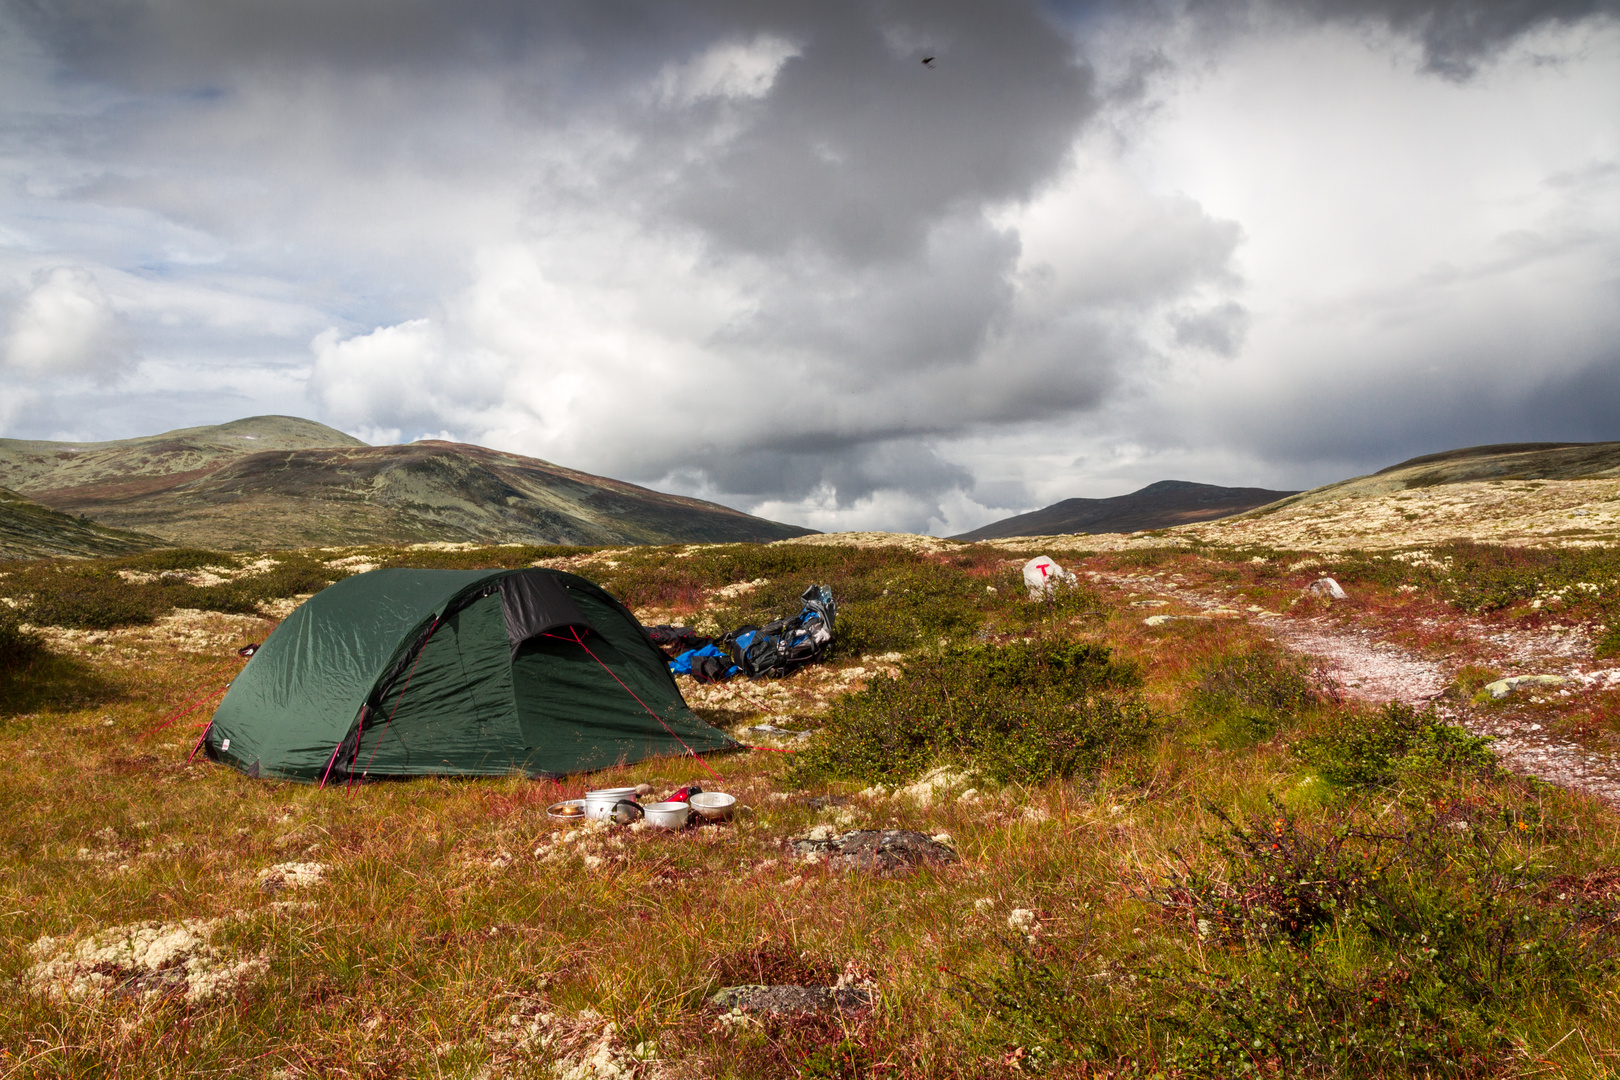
(454, 673)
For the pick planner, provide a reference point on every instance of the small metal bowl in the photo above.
(567, 810)
(668, 815)
(715, 805)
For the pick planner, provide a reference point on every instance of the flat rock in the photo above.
(793, 1000)
(1501, 688)
(885, 851)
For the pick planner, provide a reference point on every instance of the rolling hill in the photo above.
(31, 531)
(1157, 506)
(1501, 461)
(278, 481)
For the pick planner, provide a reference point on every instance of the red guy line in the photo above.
(206, 729)
(189, 707)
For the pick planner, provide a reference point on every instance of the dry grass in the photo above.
(453, 930)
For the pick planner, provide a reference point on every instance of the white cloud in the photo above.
(400, 373)
(727, 69)
(66, 326)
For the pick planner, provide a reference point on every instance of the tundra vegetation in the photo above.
(1183, 851)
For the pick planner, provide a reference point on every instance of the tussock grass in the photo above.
(447, 909)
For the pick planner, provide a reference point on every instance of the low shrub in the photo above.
(293, 575)
(1051, 1012)
(1372, 948)
(1471, 678)
(1253, 693)
(1359, 748)
(1607, 646)
(87, 597)
(92, 595)
(497, 556)
(909, 607)
(19, 648)
(1491, 578)
(1354, 945)
(156, 562)
(1024, 712)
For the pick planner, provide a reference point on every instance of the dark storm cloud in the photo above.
(794, 261)
(853, 471)
(1456, 35)
(860, 147)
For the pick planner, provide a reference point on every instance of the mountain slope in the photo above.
(282, 482)
(1157, 506)
(1503, 461)
(31, 531)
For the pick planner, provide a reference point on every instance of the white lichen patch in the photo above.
(140, 960)
(292, 875)
(584, 1046)
(282, 607)
(934, 784)
(1025, 922)
(909, 541)
(738, 588)
(354, 564)
(184, 630)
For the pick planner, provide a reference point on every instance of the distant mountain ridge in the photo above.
(1160, 505)
(279, 481)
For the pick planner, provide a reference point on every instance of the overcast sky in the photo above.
(763, 253)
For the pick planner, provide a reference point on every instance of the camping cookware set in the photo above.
(619, 805)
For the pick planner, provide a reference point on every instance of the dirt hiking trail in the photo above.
(1371, 668)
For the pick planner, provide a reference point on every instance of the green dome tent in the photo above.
(454, 673)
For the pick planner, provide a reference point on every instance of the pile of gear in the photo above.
(777, 648)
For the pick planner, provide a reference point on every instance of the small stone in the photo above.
(1161, 620)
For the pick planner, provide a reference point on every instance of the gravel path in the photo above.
(1373, 669)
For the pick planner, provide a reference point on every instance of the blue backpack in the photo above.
(784, 645)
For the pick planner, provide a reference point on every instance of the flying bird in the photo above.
(928, 61)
